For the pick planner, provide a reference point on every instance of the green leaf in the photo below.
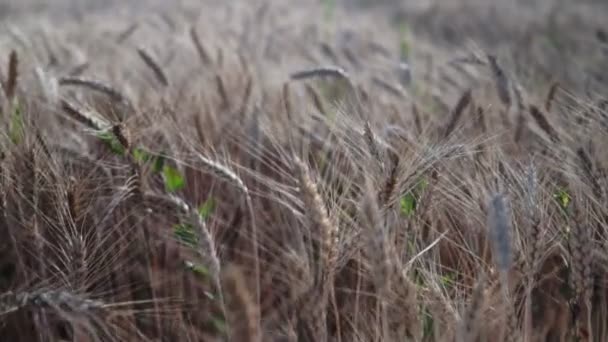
(408, 204)
(159, 163)
(185, 233)
(404, 44)
(219, 324)
(447, 280)
(563, 198)
(428, 326)
(197, 269)
(174, 181)
(16, 129)
(111, 142)
(141, 156)
(206, 209)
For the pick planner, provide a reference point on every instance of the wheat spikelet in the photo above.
(86, 118)
(322, 224)
(96, 85)
(457, 111)
(326, 71)
(372, 144)
(241, 310)
(160, 75)
(543, 123)
(221, 89)
(11, 301)
(13, 74)
(502, 81)
(551, 96)
(581, 254)
(388, 190)
(200, 48)
(224, 173)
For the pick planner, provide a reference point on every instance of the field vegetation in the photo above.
(324, 170)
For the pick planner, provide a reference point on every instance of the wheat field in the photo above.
(321, 170)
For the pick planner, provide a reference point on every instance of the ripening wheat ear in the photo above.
(327, 231)
(317, 213)
(581, 254)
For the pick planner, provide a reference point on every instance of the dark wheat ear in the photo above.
(151, 63)
(551, 96)
(457, 111)
(200, 48)
(544, 124)
(325, 71)
(13, 73)
(501, 80)
(95, 85)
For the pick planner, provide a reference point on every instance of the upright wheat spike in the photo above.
(581, 254)
(322, 224)
(328, 232)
